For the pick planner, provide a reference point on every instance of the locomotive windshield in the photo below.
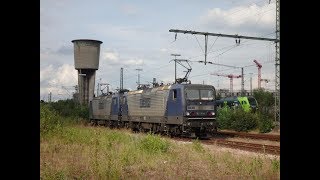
(196, 94)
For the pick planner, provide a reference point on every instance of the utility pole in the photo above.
(175, 66)
(49, 97)
(242, 82)
(139, 69)
(121, 79)
(277, 64)
(251, 84)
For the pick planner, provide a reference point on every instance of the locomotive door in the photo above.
(115, 106)
(175, 103)
(124, 106)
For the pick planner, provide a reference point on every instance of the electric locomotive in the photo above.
(179, 110)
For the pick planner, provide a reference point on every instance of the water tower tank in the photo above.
(86, 53)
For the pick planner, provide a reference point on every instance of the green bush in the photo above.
(265, 124)
(70, 108)
(49, 120)
(265, 101)
(154, 144)
(243, 121)
(239, 120)
(224, 117)
(236, 119)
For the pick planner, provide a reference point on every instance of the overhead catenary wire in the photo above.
(233, 46)
(210, 49)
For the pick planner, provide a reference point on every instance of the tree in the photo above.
(264, 98)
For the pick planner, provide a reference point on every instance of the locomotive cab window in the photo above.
(206, 94)
(196, 94)
(174, 94)
(192, 94)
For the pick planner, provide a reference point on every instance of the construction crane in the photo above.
(259, 72)
(230, 76)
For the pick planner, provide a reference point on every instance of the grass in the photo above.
(83, 152)
(71, 150)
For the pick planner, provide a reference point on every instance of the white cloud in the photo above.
(53, 79)
(133, 62)
(46, 73)
(111, 55)
(165, 50)
(253, 17)
(66, 74)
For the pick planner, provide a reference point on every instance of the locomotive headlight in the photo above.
(210, 113)
(187, 113)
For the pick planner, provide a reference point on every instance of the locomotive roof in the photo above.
(197, 86)
(161, 88)
(167, 87)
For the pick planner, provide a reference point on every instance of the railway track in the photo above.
(253, 147)
(270, 137)
(261, 148)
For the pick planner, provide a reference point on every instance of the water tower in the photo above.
(86, 61)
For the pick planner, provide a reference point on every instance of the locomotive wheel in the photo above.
(141, 128)
(92, 123)
(127, 125)
(110, 124)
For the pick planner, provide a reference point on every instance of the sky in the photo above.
(135, 35)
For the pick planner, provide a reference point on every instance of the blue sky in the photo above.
(135, 34)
